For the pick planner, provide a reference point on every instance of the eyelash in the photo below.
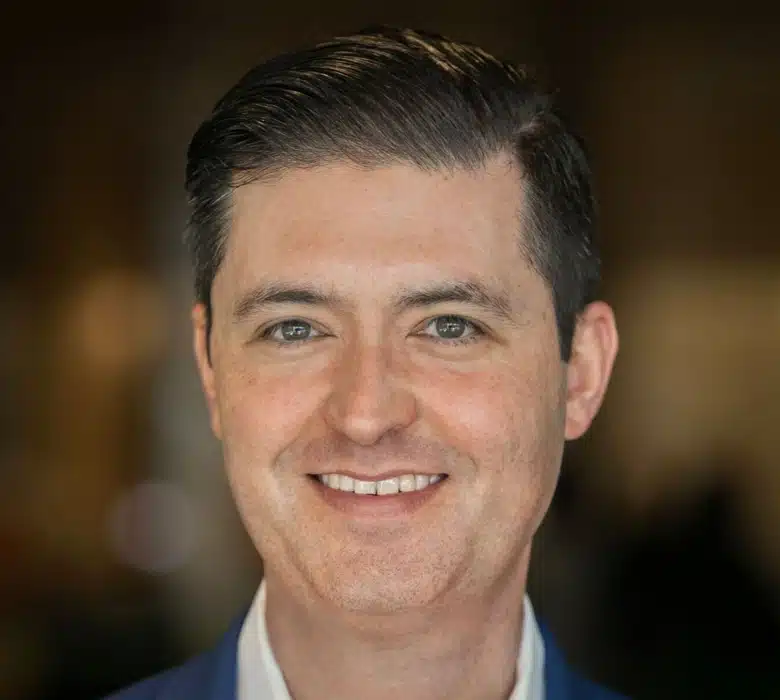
(266, 334)
(476, 333)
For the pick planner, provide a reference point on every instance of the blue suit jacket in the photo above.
(212, 676)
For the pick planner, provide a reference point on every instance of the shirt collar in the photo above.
(260, 678)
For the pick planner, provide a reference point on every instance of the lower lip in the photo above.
(370, 506)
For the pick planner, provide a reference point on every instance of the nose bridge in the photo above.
(368, 396)
(367, 367)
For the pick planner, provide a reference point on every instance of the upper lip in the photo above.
(392, 474)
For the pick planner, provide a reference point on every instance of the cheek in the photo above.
(262, 413)
(505, 415)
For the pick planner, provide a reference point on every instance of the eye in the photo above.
(452, 330)
(290, 332)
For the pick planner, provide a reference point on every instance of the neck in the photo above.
(463, 648)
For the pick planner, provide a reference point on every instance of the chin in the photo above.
(386, 598)
(381, 591)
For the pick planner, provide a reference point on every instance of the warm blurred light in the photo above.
(153, 527)
(119, 320)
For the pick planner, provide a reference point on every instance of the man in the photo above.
(396, 332)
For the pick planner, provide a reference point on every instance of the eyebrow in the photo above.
(469, 292)
(472, 293)
(274, 293)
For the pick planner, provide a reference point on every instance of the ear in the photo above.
(594, 347)
(200, 337)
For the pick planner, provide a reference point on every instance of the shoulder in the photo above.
(208, 676)
(183, 681)
(563, 682)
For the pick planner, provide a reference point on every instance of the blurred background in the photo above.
(120, 552)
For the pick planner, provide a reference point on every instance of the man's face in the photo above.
(385, 325)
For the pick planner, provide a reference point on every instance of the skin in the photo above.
(425, 603)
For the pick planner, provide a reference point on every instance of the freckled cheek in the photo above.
(263, 413)
(500, 418)
(478, 409)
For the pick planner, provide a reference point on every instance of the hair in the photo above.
(388, 95)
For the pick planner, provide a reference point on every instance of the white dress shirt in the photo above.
(260, 678)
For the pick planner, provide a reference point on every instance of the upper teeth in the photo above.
(383, 487)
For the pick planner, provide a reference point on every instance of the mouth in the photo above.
(390, 497)
(389, 486)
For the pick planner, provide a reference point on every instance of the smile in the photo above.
(405, 483)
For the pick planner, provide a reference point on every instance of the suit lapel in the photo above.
(220, 681)
(557, 678)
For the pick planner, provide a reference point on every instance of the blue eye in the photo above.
(290, 332)
(452, 330)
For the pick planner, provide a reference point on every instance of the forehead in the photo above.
(338, 222)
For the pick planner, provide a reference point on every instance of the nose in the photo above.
(368, 398)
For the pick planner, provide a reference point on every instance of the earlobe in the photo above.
(200, 337)
(594, 347)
